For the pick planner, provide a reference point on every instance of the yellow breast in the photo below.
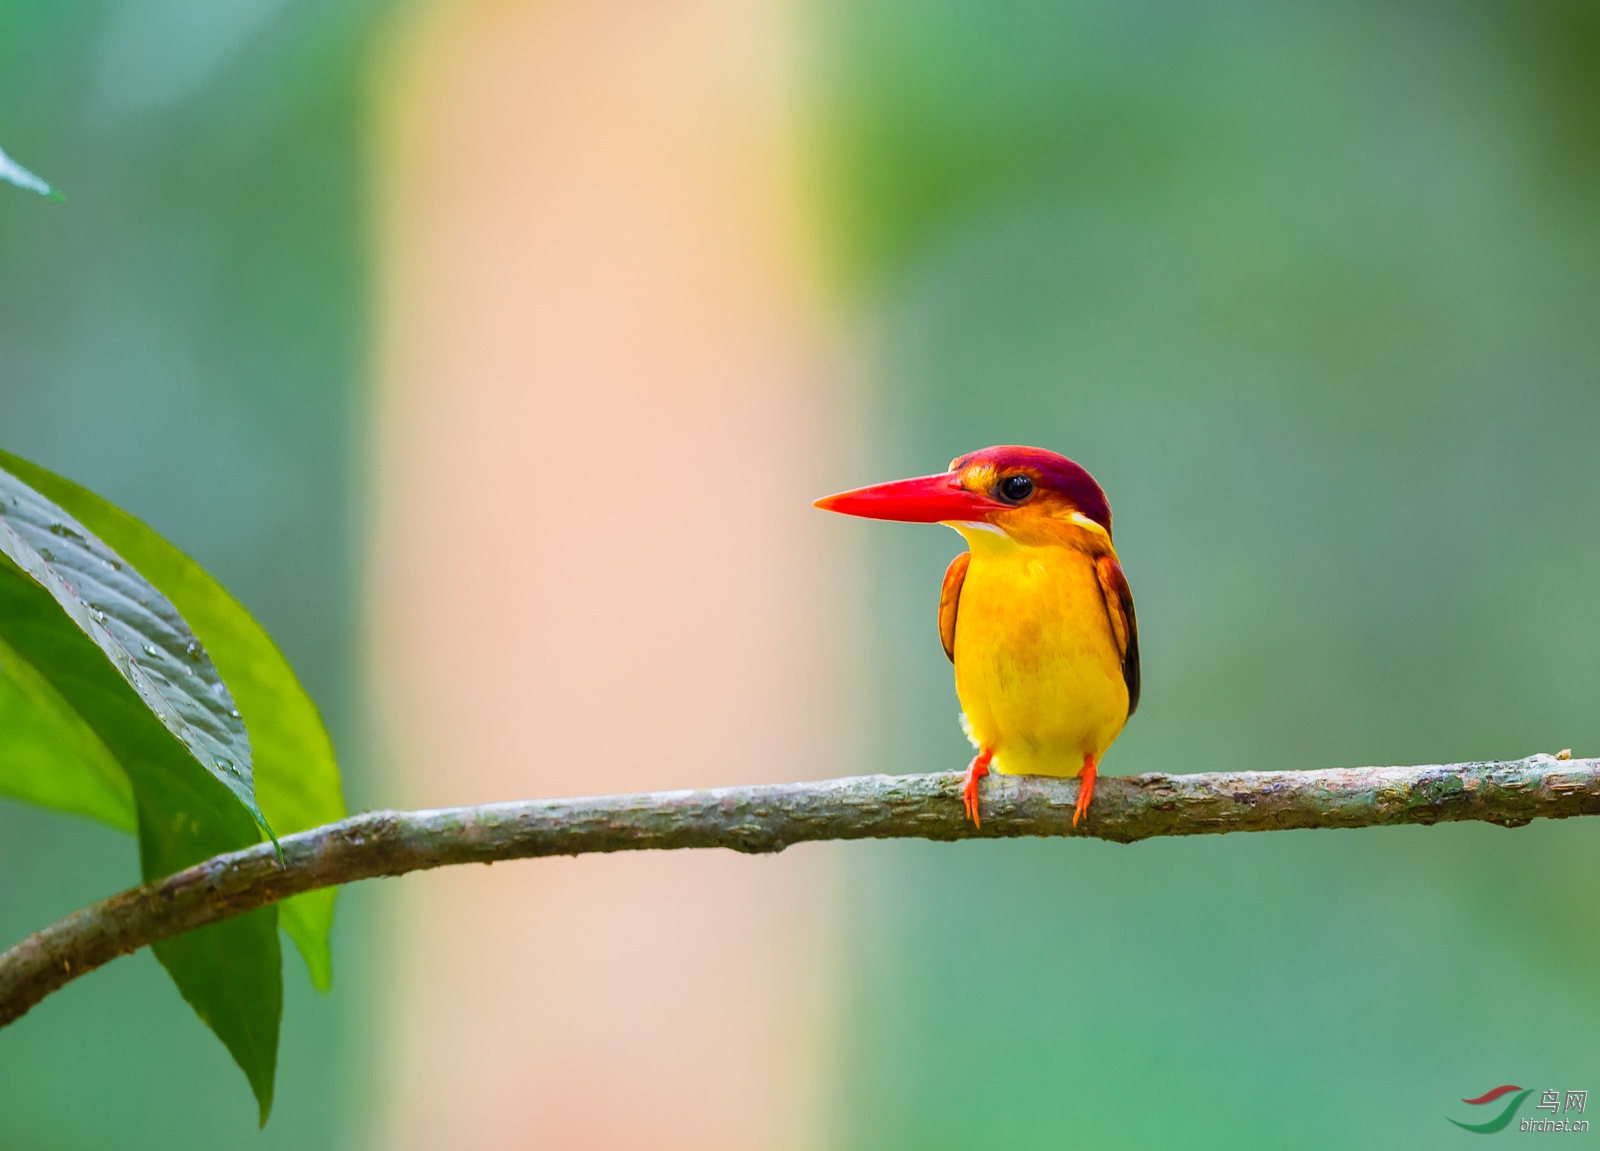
(1038, 669)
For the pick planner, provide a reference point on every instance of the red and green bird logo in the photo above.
(1500, 1121)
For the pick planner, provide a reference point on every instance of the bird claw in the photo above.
(1086, 779)
(976, 770)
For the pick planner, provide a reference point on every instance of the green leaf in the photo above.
(296, 773)
(14, 173)
(137, 629)
(115, 653)
(231, 973)
(50, 756)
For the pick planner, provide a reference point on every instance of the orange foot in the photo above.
(1085, 789)
(976, 770)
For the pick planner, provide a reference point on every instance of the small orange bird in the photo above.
(1036, 615)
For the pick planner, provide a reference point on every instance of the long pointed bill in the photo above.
(925, 500)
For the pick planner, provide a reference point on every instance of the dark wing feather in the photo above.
(950, 602)
(1124, 625)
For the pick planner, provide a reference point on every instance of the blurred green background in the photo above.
(186, 335)
(1312, 289)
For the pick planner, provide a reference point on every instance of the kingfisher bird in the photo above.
(1036, 615)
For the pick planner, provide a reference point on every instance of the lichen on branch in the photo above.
(770, 817)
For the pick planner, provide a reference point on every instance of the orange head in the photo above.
(1011, 488)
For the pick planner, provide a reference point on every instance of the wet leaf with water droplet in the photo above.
(296, 773)
(81, 646)
(191, 702)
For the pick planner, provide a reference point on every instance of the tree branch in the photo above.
(770, 817)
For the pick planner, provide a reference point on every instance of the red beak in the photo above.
(925, 500)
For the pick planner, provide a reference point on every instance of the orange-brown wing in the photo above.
(950, 602)
(1124, 625)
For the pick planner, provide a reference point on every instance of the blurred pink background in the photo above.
(604, 361)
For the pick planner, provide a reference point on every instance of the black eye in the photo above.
(1016, 488)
